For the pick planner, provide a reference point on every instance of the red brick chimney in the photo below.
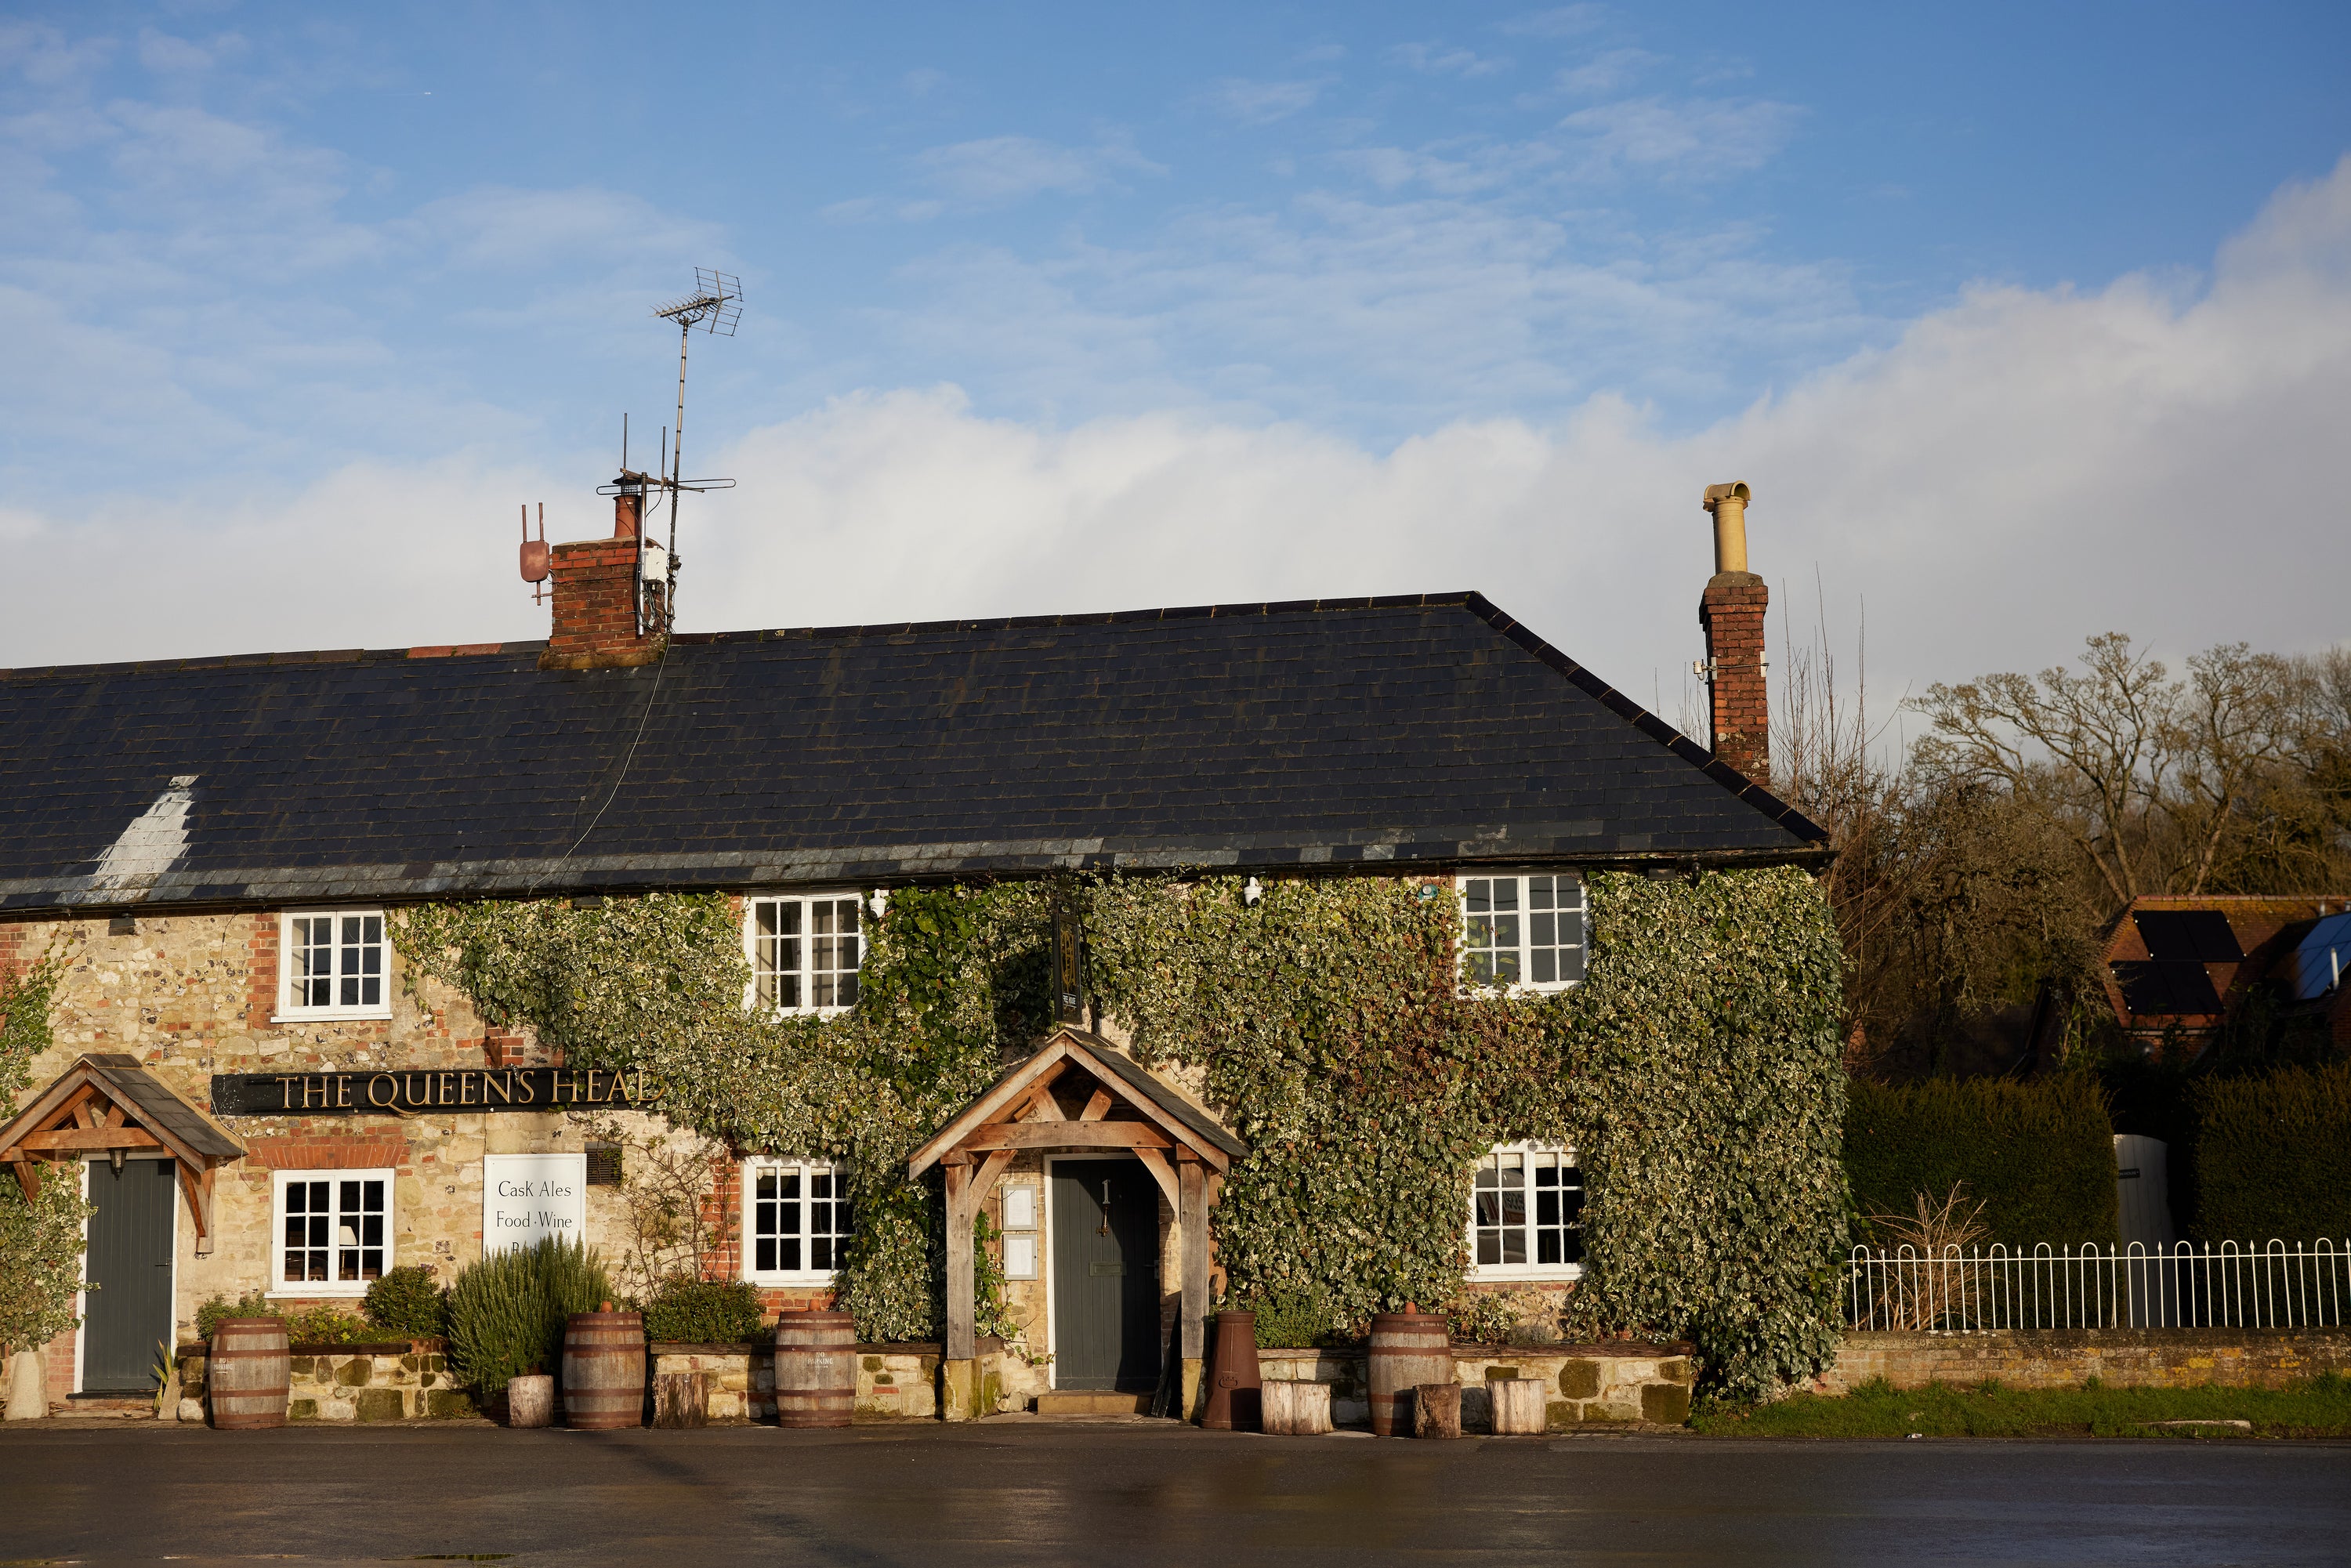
(596, 596)
(1731, 611)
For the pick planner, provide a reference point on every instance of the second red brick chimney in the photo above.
(1731, 611)
(596, 595)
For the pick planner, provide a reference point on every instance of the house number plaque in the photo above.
(406, 1094)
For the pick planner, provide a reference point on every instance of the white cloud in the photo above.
(1441, 59)
(1606, 71)
(1700, 138)
(1250, 102)
(2018, 470)
(1000, 170)
(1560, 22)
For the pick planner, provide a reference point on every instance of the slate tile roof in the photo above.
(1428, 730)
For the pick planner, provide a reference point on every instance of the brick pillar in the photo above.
(596, 600)
(1732, 611)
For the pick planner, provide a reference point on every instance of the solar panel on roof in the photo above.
(2166, 987)
(2188, 936)
(2317, 965)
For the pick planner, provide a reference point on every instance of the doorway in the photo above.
(129, 1261)
(1105, 1250)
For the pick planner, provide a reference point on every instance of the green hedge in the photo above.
(2038, 1154)
(2273, 1156)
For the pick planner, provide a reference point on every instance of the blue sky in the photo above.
(268, 267)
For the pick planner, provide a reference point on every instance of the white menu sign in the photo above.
(526, 1196)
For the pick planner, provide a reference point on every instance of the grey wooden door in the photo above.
(129, 1261)
(1105, 1242)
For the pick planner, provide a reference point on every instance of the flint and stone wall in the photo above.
(2068, 1358)
(192, 994)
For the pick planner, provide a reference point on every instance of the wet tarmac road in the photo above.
(1149, 1494)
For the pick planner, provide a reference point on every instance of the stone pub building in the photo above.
(256, 1098)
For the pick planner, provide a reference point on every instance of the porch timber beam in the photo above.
(28, 1177)
(962, 1305)
(93, 1138)
(1067, 1135)
(1164, 1173)
(1192, 1213)
(991, 1170)
(1097, 1106)
(1040, 1105)
(198, 1190)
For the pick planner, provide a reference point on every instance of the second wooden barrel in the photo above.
(604, 1371)
(1408, 1349)
(816, 1368)
(248, 1373)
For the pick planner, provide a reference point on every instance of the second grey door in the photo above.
(1105, 1275)
(129, 1314)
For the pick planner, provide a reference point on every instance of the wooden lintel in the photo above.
(94, 1138)
(1066, 1136)
(1097, 1106)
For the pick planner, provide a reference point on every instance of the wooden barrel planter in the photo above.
(816, 1368)
(603, 1371)
(248, 1374)
(1408, 1349)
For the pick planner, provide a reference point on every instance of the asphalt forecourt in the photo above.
(1144, 1493)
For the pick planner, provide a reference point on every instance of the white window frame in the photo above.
(1020, 1239)
(867, 908)
(1530, 1270)
(290, 1008)
(1525, 916)
(307, 1290)
(750, 1240)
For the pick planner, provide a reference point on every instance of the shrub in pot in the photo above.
(507, 1312)
(702, 1311)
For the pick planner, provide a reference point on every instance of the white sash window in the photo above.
(331, 1232)
(1526, 1214)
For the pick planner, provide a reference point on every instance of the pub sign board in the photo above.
(402, 1093)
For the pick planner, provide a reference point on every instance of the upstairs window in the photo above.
(805, 952)
(1523, 932)
(1526, 1214)
(332, 965)
(795, 1222)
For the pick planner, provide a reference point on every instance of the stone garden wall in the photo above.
(1609, 1382)
(2067, 1358)
(402, 1381)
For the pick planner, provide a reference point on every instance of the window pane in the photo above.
(1490, 1247)
(789, 1255)
(765, 1262)
(1506, 893)
(1506, 931)
(1539, 892)
(1506, 967)
(1544, 965)
(1478, 896)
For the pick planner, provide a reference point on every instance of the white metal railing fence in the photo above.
(2300, 1284)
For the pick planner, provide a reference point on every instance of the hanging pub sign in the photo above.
(402, 1093)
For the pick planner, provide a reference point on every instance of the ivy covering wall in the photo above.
(1697, 1070)
(41, 1241)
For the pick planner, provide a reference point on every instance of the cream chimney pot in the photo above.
(1729, 505)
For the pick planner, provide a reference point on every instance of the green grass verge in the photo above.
(2318, 1409)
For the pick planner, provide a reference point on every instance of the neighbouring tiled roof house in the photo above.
(256, 1099)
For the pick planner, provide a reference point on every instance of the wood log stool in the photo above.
(1297, 1408)
(1437, 1410)
(1521, 1407)
(530, 1400)
(681, 1401)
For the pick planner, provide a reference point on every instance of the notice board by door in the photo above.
(1105, 1251)
(129, 1261)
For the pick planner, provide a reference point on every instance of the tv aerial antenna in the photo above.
(716, 305)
